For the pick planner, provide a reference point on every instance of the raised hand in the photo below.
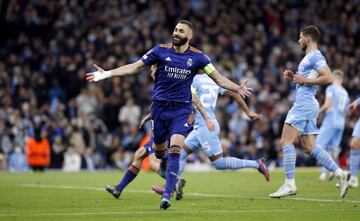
(98, 75)
(245, 91)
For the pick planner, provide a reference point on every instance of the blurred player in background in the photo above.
(178, 63)
(301, 118)
(332, 127)
(355, 148)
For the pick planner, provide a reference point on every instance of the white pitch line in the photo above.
(190, 193)
(172, 212)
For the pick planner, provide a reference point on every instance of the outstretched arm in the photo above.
(203, 113)
(243, 105)
(224, 82)
(128, 69)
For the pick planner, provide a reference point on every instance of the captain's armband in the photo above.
(209, 68)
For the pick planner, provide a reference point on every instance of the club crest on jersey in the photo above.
(189, 62)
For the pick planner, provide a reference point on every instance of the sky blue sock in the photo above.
(324, 159)
(289, 161)
(354, 162)
(129, 176)
(224, 163)
(171, 174)
(182, 162)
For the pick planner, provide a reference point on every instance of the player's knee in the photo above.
(175, 150)
(284, 142)
(219, 164)
(160, 151)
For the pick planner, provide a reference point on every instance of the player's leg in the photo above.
(130, 174)
(323, 157)
(211, 145)
(323, 141)
(355, 156)
(288, 137)
(176, 142)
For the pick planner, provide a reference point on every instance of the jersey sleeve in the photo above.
(152, 56)
(205, 64)
(358, 101)
(319, 61)
(329, 92)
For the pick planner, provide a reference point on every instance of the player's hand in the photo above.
(255, 116)
(210, 125)
(299, 78)
(98, 75)
(352, 107)
(245, 91)
(288, 74)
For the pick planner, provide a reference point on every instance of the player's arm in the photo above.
(326, 106)
(224, 82)
(323, 78)
(243, 105)
(144, 120)
(128, 69)
(203, 113)
(355, 104)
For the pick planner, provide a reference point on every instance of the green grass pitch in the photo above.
(240, 195)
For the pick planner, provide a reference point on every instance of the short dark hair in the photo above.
(339, 73)
(311, 31)
(188, 23)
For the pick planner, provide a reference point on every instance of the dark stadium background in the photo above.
(46, 47)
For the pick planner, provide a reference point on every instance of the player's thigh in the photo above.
(308, 142)
(191, 142)
(288, 135)
(159, 124)
(179, 124)
(210, 142)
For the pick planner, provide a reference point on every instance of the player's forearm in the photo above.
(125, 70)
(226, 83)
(240, 101)
(201, 108)
(146, 118)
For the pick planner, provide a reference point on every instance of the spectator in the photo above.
(38, 151)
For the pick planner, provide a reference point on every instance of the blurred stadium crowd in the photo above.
(46, 47)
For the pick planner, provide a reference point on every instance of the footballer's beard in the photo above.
(179, 42)
(304, 47)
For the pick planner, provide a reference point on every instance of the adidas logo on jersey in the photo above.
(168, 59)
(186, 125)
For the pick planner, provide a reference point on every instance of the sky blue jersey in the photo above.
(175, 71)
(309, 67)
(207, 92)
(335, 116)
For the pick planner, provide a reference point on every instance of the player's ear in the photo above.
(190, 35)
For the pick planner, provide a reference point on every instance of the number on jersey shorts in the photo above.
(202, 139)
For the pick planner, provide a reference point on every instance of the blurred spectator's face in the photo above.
(303, 41)
(181, 35)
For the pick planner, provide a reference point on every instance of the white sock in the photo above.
(290, 182)
(338, 172)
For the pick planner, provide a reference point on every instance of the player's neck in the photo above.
(311, 47)
(182, 48)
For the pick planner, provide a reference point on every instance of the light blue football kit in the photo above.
(355, 154)
(304, 113)
(356, 131)
(333, 124)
